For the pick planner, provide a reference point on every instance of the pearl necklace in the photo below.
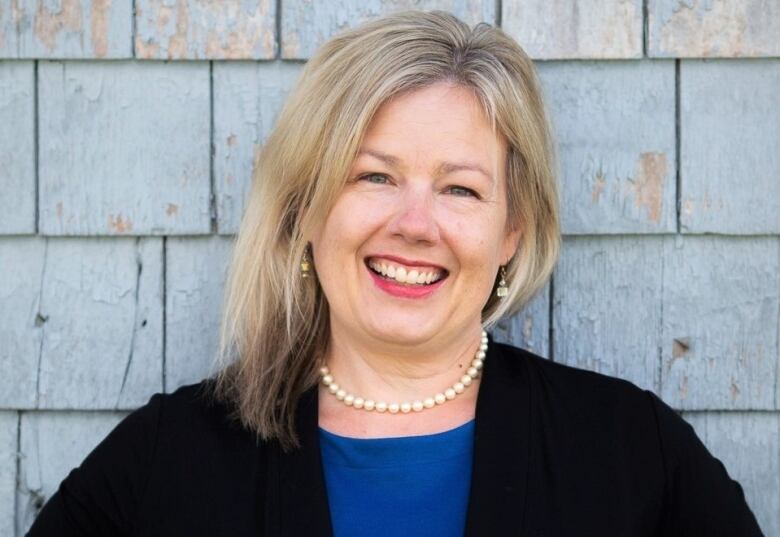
(429, 402)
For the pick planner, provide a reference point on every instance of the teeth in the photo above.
(401, 275)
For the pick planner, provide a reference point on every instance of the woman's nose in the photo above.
(414, 218)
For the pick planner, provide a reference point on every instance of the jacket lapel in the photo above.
(296, 502)
(300, 482)
(501, 448)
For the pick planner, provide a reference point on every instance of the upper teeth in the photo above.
(402, 275)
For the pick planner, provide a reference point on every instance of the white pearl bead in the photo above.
(327, 379)
(369, 404)
(381, 406)
(483, 347)
(349, 399)
(429, 402)
(481, 355)
(405, 408)
(341, 394)
(466, 380)
(449, 393)
(472, 372)
(458, 387)
(476, 363)
(324, 370)
(358, 403)
(333, 388)
(417, 406)
(440, 398)
(393, 408)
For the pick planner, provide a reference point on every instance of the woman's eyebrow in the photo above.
(442, 169)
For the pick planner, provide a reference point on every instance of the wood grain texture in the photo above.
(607, 306)
(529, 328)
(713, 28)
(52, 444)
(729, 146)
(9, 424)
(247, 100)
(307, 24)
(124, 148)
(748, 444)
(721, 303)
(21, 263)
(101, 342)
(562, 29)
(66, 29)
(614, 125)
(196, 269)
(17, 147)
(193, 29)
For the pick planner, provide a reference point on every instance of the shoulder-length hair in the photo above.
(275, 324)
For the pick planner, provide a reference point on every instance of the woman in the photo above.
(405, 202)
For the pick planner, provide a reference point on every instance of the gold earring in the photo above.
(305, 268)
(502, 290)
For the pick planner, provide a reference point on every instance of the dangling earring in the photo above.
(305, 269)
(502, 289)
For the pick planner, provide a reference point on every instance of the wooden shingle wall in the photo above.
(127, 134)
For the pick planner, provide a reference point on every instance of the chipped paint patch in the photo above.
(171, 209)
(649, 184)
(119, 224)
(99, 26)
(48, 24)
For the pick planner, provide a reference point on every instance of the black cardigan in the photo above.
(558, 451)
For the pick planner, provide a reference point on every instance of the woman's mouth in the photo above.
(406, 276)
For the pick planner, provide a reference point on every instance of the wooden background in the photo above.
(127, 130)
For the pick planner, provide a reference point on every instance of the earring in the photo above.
(305, 269)
(502, 289)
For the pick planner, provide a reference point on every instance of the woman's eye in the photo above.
(463, 191)
(376, 178)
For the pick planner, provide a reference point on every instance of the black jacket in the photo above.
(558, 451)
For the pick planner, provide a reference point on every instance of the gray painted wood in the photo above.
(529, 328)
(52, 444)
(17, 147)
(192, 29)
(102, 337)
(607, 306)
(713, 28)
(9, 424)
(721, 302)
(307, 24)
(729, 146)
(748, 445)
(247, 100)
(124, 148)
(21, 264)
(66, 29)
(196, 270)
(615, 128)
(561, 29)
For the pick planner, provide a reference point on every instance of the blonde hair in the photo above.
(275, 323)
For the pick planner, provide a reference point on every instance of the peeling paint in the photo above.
(48, 24)
(231, 140)
(683, 387)
(99, 26)
(598, 187)
(172, 209)
(119, 224)
(734, 390)
(649, 184)
(680, 347)
(716, 28)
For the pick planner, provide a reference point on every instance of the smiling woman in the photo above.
(404, 203)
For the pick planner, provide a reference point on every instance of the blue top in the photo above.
(406, 486)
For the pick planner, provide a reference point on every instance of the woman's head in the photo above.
(403, 71)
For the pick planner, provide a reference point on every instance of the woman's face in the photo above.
(426, 197)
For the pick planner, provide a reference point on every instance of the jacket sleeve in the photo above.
(700, 498)
(102, 496)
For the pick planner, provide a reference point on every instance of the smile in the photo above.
(404, 275)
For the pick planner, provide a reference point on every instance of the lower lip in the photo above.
(404, 291)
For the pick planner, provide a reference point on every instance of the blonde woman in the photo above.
(404, 203)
